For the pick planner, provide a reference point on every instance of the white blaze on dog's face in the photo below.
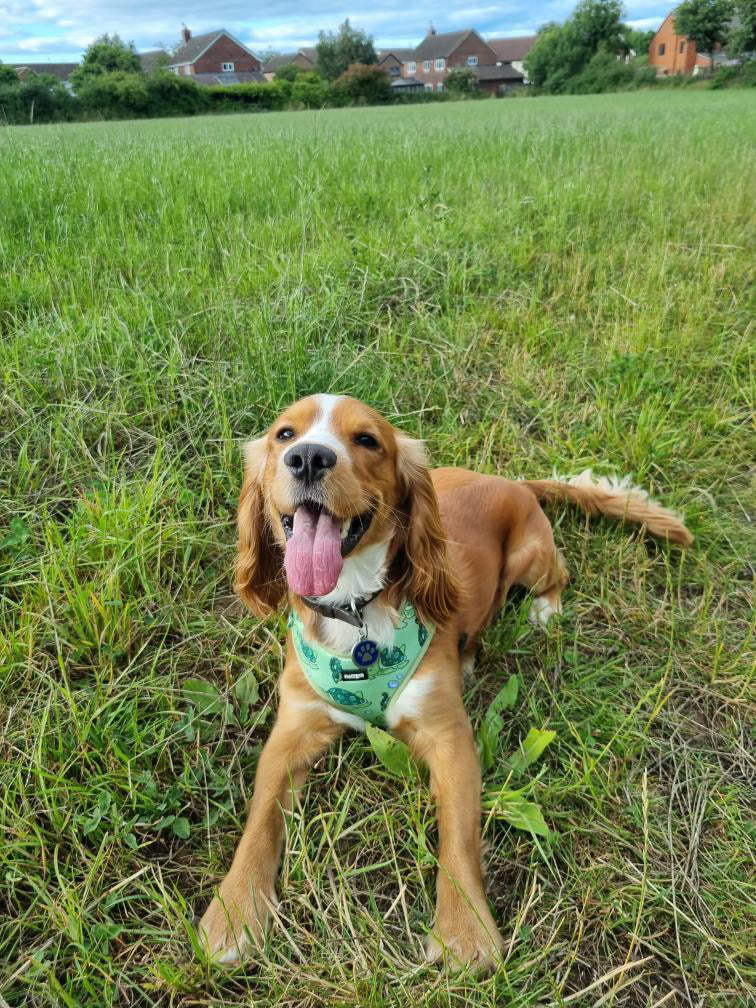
(331, 486)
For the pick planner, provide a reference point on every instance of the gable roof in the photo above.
(441, 46)
(60, 70)
(149, 60)
(284, 59)
(191, 51)
(500, 73)
(508, 49)
(403, 55)
(276, 62)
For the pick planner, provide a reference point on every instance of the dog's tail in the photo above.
(618, 498)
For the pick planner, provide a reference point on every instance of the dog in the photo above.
(386, 564)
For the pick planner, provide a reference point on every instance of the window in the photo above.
(428, 87)
(682, 47)
(472, 60)
(426, 66)
(227, 67)
(411, 67)
(439, 86)
(440, 64)
(662, 48)
(394, 71)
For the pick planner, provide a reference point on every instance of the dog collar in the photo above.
(351, 613)
(373, 688)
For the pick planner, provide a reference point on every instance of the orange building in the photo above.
(671, 53)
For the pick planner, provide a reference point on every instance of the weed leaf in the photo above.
(393, 753)
(531, 748)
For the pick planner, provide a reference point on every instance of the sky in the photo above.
(41, 31)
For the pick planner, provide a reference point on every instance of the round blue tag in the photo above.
(365, 653)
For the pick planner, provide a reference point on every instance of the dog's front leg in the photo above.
(241, 909)
(464, 930)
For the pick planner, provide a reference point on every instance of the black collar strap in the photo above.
(351, 614)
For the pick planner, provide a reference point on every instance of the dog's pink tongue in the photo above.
(313, 558)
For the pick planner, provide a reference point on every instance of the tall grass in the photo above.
(530, 286)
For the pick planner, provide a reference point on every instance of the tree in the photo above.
(705, 22)
(364, 85)
(8, 75)
(563, 51)
(461, 81)
(336, 53)
(639, 41)
(741, 42)
(107, 54)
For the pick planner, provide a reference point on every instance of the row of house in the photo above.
(496, 63)
(219, 58)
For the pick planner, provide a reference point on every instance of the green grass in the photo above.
(529, 285)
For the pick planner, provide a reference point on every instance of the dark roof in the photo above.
(60, 70)
(403, 55)
(191, 51)
(438, 46)
(508, 49)
(407, 82)
(276, 62)
(240, 77)
(153, 58)
(494, 73)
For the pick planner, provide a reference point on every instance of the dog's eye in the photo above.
(365, 440)
(285, 434)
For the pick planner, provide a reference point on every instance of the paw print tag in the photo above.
(365, 653)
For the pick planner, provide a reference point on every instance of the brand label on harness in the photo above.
(352, 675)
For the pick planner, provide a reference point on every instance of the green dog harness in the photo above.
(366, 692)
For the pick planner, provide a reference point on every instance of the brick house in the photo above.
(671, 53)
(305, 58)
(437, 54)
(392, 60)
(512, 51)
(214, 58)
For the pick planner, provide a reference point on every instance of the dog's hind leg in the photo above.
(534, 562)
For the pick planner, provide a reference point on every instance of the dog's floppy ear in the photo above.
(259, 580)
(427, 579)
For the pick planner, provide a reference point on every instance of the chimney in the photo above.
(185, 33)
(431, 29)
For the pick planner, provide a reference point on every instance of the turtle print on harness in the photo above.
(368, 692)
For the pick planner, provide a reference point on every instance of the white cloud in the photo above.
(63, 29)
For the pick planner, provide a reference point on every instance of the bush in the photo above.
(170, 94)
(461, 81)
(115, 95)
(603, 72)
(309, 91)
(288, 72)
(41, 98)
(265, 97)
(361, 84)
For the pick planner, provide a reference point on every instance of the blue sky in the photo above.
(41, 30)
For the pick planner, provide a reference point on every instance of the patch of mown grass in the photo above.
(531, 286)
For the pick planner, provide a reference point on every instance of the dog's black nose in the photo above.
(309, 462)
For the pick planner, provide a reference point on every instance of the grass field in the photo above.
(529, 285)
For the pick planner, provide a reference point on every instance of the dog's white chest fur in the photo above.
(360, 577)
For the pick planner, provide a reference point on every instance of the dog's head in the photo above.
(329, 479)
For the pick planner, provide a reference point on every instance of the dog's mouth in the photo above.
(316, 544)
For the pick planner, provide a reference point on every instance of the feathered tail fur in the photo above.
(618, 498)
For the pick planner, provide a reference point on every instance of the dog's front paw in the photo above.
(468, 938)
(237, 917)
